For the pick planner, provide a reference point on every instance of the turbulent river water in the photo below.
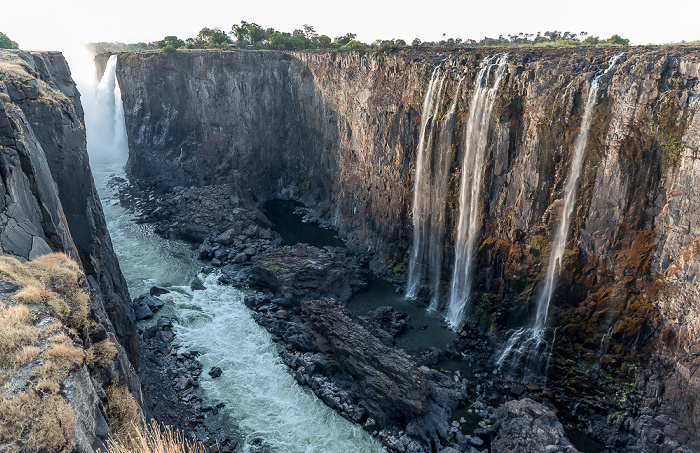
(273, 413)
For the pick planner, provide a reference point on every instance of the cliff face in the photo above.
(48, 201)
(340, 130)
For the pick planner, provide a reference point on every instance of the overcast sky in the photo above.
(58, 24)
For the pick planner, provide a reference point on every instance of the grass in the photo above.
(154, 438)
(37, 353)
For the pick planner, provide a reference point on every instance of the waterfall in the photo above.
(441, 162)
(422, 209)
(470, 190)
(106, 132)
(530, 345)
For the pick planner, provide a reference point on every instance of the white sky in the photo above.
(59, 24)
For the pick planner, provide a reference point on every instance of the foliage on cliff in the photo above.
(6, 42)
(43, 308)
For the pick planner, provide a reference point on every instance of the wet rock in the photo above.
(215, 372)
(197, 285)
(156, 291)
(142, 312)
(152, 302)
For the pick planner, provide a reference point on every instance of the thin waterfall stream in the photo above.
(422, 209)
(528, 349)
(468, 226)
(268, 407)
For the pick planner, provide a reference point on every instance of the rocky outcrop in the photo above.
(525, 425)
(48, 202)
(339, 131)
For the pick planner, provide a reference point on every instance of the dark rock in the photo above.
(303, 272)
(156, 291)
(142, 312)
(8, 288)
(524, 425)
(152, 302)
(197, 285)
(215, 372)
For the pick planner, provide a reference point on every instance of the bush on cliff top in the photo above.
(6, 42)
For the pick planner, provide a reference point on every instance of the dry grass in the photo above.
(101, 353)
(123, 412)
(156, 439)
(36, 354)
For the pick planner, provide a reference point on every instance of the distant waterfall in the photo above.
(422, 209)
(529, 345)
(468, 227)
(106, 132)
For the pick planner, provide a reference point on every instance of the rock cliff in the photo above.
(340, 130)
(48, 203)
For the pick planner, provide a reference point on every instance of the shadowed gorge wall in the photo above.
(48, 201)
(339, 131)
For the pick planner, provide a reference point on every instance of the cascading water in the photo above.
(442, 158)
(106, 132)
(270, 410)
(470, 191)
(529, 347)
(422, 209)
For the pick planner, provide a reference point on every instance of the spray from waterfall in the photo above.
(106, 132)
(468, 227)
(421, 200)
(530, 347)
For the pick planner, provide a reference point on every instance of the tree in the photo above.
(171, 41)
(7, 43)
(355, 45)
(618, 40)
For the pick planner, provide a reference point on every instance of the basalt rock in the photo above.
(525, 425)
(48, 203)
(303, 272)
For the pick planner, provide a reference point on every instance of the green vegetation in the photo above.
(546, 39)
(7, 43)
(251, 36)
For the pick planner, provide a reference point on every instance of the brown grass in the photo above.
(123, 412)
(154, 438)
(101, 353)
(37, 356)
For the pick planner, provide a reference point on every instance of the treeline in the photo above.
(249, 35)
(546, 39)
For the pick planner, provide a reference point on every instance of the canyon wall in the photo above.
(339, 130)
(48, 203)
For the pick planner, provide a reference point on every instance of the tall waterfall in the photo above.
(468, 227)
(106, 132)
(423, 230)
(529, 346)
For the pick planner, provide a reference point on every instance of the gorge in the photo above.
(543, 203)
(345, 133)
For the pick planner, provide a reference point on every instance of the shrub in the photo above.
(7, 43)
(155, 439)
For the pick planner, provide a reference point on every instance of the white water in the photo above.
(261, 396)
(468, 227)
(530, 346)
(106, 132)
(422, 208)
